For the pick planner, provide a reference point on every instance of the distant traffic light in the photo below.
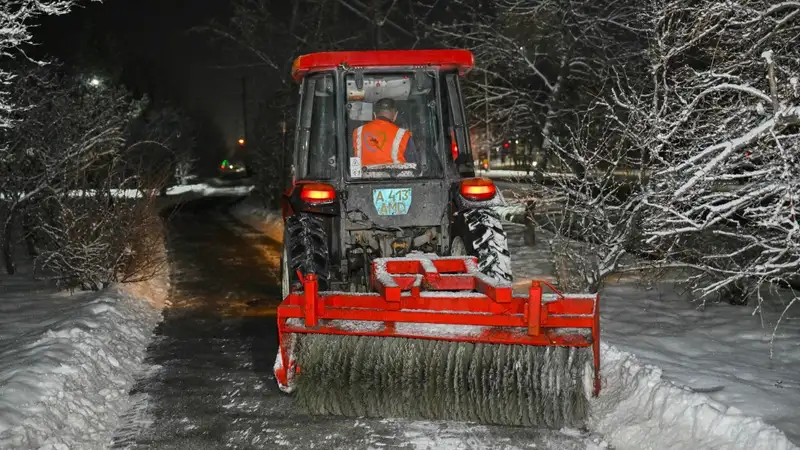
(505, 144)
(224, 164)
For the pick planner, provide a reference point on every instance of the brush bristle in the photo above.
(519, 385)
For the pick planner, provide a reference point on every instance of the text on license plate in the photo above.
(392, 201)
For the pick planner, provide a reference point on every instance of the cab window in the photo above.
(317, 128)
(414, 99)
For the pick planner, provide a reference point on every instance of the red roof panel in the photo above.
(458, 59)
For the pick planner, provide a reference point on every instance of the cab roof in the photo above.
(462, 60)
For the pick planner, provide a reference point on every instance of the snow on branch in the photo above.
(16, 20)
(721, 127)
(596, 225)
(66, 155)
(539, 63)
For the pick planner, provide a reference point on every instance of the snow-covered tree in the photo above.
(720, 129)
(185, 167)
(16, 21)
(539, 63)
(593, 212)
(166, 137)
(65, 156)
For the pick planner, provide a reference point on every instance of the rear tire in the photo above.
(479, 233)
(305, 248)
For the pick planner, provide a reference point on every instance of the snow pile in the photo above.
(639, 409)
(208, 190)
(701, 377)
(67, 364)
(199, 189)
(511, 212)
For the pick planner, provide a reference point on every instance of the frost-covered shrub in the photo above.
(90, 241)
(68, 158)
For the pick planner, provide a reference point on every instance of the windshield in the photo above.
(392, 123)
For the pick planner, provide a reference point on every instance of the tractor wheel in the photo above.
(305, 248)
(479, 233)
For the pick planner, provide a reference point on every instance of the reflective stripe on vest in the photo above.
(359, 143)
(398, 138)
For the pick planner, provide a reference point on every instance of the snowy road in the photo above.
(211, 385)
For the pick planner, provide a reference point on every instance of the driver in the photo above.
(381, 141)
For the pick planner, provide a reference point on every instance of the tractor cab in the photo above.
(382, 165)
(339, 94)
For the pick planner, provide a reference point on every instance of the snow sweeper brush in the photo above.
(440, 340)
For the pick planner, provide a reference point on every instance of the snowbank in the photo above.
(68, 362)
(252, 212)
(199, 189)
(638, 409)
(510, 173)
(511, 212)
(700, 377)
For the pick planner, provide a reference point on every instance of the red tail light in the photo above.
(317, 193)
(478, 189)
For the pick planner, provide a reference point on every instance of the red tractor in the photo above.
(380, 260)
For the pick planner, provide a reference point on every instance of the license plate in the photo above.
(392, 201)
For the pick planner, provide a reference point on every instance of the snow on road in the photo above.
(212, 385)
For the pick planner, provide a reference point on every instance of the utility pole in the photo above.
(244, 110)
(486, 104)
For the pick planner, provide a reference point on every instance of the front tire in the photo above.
(305, 248)
(479, 233)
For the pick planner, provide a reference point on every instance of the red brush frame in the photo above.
(403, 294)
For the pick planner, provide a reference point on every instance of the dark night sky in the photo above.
(157, 52)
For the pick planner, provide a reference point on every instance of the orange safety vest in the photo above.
(380, 142)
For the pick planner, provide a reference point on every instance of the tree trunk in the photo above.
(552, 110)
(30, 237)
(8, 256)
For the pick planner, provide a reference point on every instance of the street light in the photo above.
(241, 142)
(94, 81)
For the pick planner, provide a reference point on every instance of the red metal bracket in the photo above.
(429, 297)
(395, 275)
